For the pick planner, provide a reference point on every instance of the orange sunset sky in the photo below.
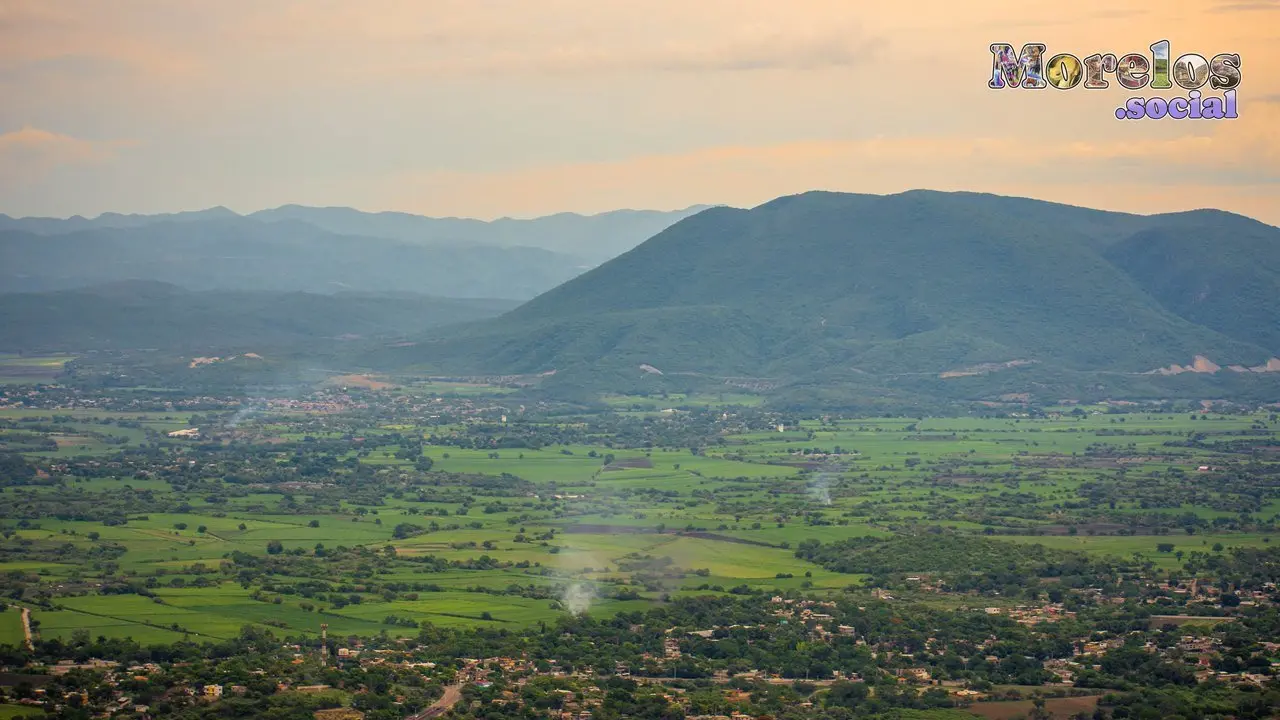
(487, 108)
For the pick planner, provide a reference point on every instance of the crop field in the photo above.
(63, 624)
(20, 369)
(14, 712)
(11, 627)
(1145, 546)
(448, 506)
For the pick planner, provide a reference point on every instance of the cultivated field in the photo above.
(652, 499)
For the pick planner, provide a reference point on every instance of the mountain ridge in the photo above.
(592, 237)
(911, 284)
(287, 255)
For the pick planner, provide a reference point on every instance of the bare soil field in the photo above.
(1059, 708)
(362, 381)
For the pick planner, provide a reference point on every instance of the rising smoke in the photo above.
(244, 413)
(820, 488)
(577, 597)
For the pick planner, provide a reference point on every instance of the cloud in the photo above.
(33, 151)
(1262, 5)
(743, 54)
(1235, 167)
(48, 35)
(771, 52)
(564, 36)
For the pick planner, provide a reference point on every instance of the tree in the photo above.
(847, 694)
(404, 530)
(314, 524)
(275, 547)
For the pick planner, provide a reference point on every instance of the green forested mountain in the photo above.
(1216, 269)
(134, 315)
(927, 284)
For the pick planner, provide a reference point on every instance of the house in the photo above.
(916, 674)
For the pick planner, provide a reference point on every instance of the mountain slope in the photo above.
(133, 315)
(919, 282)
(245, 254)
(1215, 269)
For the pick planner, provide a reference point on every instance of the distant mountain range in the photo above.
(151, 315)
(593, 238)
(816, 298)
(246, 254)
(319, 250)
(937, 287)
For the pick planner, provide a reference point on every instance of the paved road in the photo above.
(452, 694)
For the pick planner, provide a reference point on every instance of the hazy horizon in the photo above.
(492, 109)
(249, 213)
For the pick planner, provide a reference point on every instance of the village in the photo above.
(577, 691)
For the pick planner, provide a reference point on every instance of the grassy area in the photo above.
(26, 369)
(496, 533)
(11, 627)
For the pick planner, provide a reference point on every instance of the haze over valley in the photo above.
(646, 360)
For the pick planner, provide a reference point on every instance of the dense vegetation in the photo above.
(893, 291)
(748, 489)
(134, 315)
(674, 556)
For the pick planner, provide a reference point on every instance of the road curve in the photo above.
(452, 694)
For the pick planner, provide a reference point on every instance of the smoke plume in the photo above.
(820, 488)
(244, 413)
(577, 598)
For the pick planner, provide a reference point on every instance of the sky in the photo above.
(490, 108)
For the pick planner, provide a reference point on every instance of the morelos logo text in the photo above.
(1029, 70)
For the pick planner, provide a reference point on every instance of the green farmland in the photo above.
(471, 514)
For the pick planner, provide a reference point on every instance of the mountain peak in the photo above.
(914, 283)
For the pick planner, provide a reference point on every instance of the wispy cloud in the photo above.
(761, 52)
(1241, 163)
(567, 36)
(1253, 5)
(37, 152)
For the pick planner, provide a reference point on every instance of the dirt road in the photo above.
(26, 628)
